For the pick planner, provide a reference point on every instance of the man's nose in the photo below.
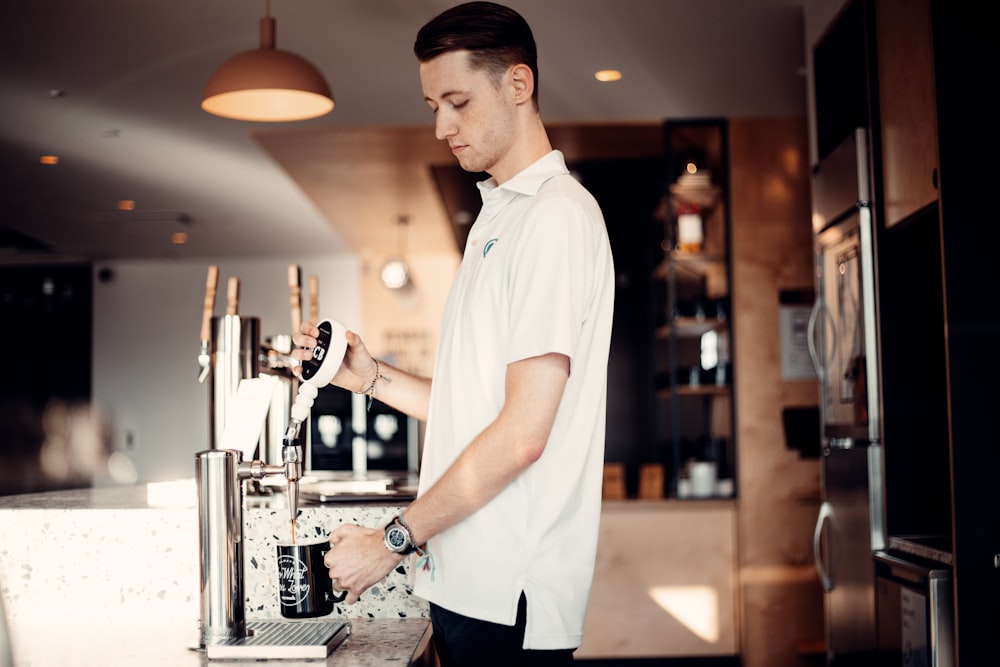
(443, 127)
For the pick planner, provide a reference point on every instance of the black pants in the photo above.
(468, 642)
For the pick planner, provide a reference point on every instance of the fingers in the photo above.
(307, 332)
(305, 340)
(306, 337)
(342, 591)
(346, 530)
(339, 596)
(350, 561)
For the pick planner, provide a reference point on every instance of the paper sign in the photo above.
(245, 415)
(796, 308)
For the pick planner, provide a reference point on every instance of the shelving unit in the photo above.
(692, 335)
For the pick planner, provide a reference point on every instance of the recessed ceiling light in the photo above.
(126, 205)
(49, 159)
(179, 238)
(606, 75)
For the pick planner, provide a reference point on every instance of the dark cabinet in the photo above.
(965, 60)
(907, 110)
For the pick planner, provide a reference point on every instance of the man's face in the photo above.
(473, 115)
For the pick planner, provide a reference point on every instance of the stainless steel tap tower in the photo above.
(220, 474)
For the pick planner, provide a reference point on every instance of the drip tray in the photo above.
(290, 640)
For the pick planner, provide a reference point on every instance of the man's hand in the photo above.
(357, 368)
(359, 559)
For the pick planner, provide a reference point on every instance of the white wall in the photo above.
(147, 323)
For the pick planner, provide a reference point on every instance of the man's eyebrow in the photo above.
(445, 95)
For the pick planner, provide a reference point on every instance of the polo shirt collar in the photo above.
(529, 180)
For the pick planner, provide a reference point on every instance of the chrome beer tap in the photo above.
(220, 474)
(331, 345)
(291, 447)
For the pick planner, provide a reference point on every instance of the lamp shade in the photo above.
(267, 84)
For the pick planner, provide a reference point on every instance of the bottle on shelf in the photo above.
(690, 231)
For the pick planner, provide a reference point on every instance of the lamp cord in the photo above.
(402, 221)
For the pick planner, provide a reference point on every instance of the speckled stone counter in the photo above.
(115, 564)
(91, 642)
(264, 526)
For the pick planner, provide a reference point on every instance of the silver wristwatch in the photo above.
(397, 538)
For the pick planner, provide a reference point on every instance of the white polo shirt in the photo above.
(537, 276)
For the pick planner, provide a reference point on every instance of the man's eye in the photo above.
(459, 105)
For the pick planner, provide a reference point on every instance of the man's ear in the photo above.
(523, 81)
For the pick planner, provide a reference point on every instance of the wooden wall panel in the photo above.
(779, 490)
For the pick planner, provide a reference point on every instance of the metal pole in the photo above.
(220, 534)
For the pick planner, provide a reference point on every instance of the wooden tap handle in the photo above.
(211, 286)
(233, 297)
(295, 296)
(314, 298)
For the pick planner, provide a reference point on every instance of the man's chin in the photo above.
(471, 167)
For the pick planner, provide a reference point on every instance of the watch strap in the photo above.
(405, 526)
(409, 533)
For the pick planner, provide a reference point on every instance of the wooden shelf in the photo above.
(701, 390)
(699, 264)
(690, 327)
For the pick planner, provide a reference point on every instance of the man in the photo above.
(509, 497)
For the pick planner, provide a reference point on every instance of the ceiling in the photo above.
(112, 87)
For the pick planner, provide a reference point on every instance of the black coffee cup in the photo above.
(304, 586)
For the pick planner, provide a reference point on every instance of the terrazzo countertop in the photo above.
(373, 642)
(114, 573)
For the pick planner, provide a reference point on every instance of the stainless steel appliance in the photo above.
(915, 602)
(843, 344)
(223, 629)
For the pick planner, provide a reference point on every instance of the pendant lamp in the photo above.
(395, 273)
(267, 84)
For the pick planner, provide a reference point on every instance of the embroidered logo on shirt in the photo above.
(489, 246)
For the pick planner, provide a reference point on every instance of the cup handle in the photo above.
(332, 595)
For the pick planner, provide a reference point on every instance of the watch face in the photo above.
(396, 538)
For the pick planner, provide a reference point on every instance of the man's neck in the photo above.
(532, 143)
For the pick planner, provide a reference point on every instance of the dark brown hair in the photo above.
(496, 37)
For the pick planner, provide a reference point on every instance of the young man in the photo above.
(509, 497)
